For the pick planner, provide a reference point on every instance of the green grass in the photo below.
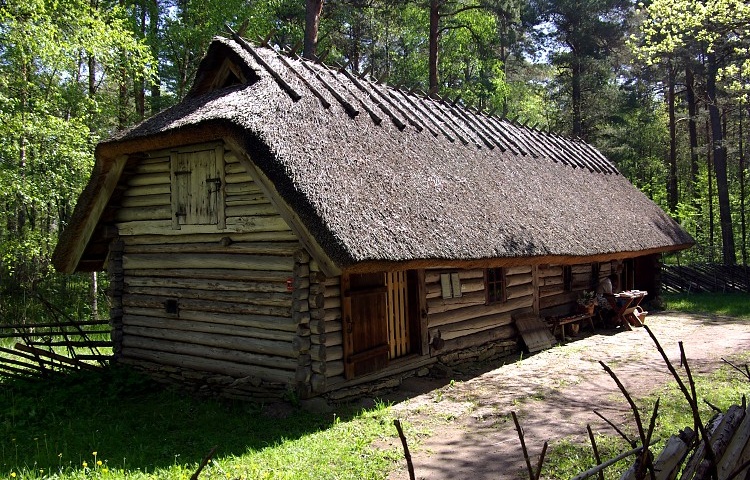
(727, 304)
(722, 388)
(50, 428)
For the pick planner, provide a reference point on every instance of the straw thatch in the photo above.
(378, 175)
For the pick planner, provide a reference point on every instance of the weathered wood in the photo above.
(158, 303)
(38, 352)
(267, 322)
(247, 199)
(439, 305)
(519, 270)
(206, 327)
(334, 368)
(143, 179)
(556, 271)
(738, 451)
(667, 464)
(472, 326)
(467, 286)
(244, 188)
(433, 276)
(234, 356)
(147, 190)
(520, 279)
(303, 375)
(279, 299)
(232, 168)
(213, 274)
(301, 344)
(252, 345)
(699, 453)
(250, 248)
(146, 201)
(519, 291)
(195, 260)
(720, 440)
(535, 282)
(209, 238)
(325, 353)
(143, 213)
(237, 224)
(238, 178)
(260, 209)
(206, 284)
(220, 367)
(505, 332)
(152, 165)
(557, 300)
(453, 316)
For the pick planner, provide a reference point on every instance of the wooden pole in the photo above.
(407, 455)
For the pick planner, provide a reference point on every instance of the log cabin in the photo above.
(292, 227)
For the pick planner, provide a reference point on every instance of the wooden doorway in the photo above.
(381, 319)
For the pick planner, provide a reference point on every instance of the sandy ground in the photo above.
(467, 426)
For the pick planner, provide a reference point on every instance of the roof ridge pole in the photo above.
(396, 121)
(475, 126)
(442, 116)
(326, 104)
(385, 97)
(403, 100)
(373, 116)
(429, 116)
(350, 110)
(280, 81)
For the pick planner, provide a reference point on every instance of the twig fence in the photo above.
(717, 450)
(62, 344)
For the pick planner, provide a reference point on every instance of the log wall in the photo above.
(467, 322)
(226, 310)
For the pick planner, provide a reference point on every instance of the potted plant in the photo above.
(587, 301)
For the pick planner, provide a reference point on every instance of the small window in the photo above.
(568, 278)
(495, 282)
(450, 285)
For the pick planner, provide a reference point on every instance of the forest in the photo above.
(659, 86)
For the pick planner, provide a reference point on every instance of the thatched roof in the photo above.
(380, 175)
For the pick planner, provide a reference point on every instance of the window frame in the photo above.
(491, 280)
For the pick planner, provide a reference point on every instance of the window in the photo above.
(495, 283)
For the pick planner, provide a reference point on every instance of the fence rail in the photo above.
(706, 278)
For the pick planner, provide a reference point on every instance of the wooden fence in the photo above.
(706, 278)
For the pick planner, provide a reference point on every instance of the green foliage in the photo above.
(136, 429)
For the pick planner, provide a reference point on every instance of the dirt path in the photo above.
(554, 393)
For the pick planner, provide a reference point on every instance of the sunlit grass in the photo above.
(728, 304)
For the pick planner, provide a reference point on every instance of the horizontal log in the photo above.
(157, 178)
(212, 274)
(147, 190)
(244, 188)
(547, 281)
(260, 209)
(518, 270)
(438, 305)
(279, 299)
(303, 375)
(324, 353)
(148, 301)
(234, 356)
(551, 290)
(434, 290)
(146, 201)
(581, 269)
(206, 327)
(461, 314)
(200, 364)
(197, 260)
(246, 199)
(243, 225)
(237, 178)
(506, 332)
(513, 280)
(143, 213)
(334, 368)
(334, 338)
(551, 272)
(332, 281)
(519, 291)
(264, 322)
(206, 284)
(232, 168)
(215, 238)
(160, 165)
(556, 300)
(472, 326)
(230, 157)
(318, 383)
(251, 248)
(301, 344)
(332, 315)
(229, 342)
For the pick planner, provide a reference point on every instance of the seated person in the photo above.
(605, 296)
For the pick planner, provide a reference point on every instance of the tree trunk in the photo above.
(434, 40)
(672, 158)
(692, 133)
(313, 8)
(720, 164)
(576, 72)
(709, 170)
(741, 173)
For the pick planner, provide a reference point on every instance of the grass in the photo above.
(725, 304)
(722, 388)
(122, 426)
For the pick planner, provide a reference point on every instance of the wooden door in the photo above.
(365, 327)
(197, 180)
(398, 314)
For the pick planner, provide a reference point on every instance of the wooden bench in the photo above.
(560, 322)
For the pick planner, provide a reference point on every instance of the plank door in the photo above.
(398, 314)
(197, 187)
(365, 326)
